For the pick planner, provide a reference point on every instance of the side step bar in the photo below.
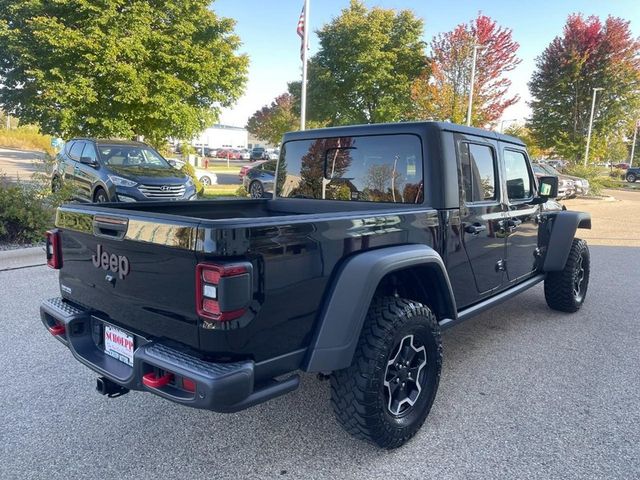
(491, 302)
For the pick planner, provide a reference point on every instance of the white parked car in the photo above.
(273, 154)
(206, 177)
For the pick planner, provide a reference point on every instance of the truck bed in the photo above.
(293, 245)
(238, 209)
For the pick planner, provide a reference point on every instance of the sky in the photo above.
(267, 30)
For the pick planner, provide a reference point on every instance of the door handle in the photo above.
(475, 228)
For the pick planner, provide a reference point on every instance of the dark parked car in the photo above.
(632, 174)
(258, 153)
(119, 171)
(260, 179)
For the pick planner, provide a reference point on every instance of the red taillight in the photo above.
(208, 280)
(189, 385)
(54, 249)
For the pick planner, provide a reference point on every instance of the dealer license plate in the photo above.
(118, 344)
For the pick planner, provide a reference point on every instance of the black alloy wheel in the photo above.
(256, 190)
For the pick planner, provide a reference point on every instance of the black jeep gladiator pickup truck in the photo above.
(377, 238)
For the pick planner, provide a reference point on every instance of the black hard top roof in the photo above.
(397, 128)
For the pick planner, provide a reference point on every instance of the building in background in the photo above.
(256, 142)
(222, 136)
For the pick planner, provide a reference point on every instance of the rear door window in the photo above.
(382, 168)
(478, 164)
(269, 166)
(76, 151)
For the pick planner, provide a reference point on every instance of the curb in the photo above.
(21, 258)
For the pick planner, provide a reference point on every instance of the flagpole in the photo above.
(303, 95)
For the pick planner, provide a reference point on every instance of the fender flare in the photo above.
(563, 231)
(346, 305)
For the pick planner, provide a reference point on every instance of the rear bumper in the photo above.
(221, 387)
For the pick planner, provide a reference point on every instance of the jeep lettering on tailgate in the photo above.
(116, 263)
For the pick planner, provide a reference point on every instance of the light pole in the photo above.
(476, 49)
(593, 106)
(505, 121)
(633, 143)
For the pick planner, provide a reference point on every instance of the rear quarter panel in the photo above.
(294, 261)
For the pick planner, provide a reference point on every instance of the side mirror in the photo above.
(547, 188)
(92, 162)
(172, 163)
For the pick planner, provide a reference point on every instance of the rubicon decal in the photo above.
(116, 263)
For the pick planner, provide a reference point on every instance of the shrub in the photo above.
(617, 173)
(191, 171)
(597, 180)
(241, 192)
(24, 217)
(27, 210)
(26, 138)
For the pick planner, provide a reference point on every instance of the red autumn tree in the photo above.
(444, 93)
(271, 122)
(589, 54)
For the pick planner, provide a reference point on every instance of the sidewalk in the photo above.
(21, 258)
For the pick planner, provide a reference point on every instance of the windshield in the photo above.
(131, 156)
(538, 169)
(552, 171)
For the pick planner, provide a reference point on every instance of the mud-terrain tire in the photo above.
(566, 290)
(385, 395)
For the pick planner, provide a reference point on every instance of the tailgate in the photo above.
(134, 271)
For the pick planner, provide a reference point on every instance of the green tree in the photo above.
(116, 68)
(589, 54)
(366, 64)
(524, 134)
(271, 122)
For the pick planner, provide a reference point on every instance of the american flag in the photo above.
(300, 31)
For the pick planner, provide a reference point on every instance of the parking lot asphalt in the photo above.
(19, 163)
(614, 222)
(525, 393)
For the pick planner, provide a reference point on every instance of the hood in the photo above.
(571, 177)
(149, 175)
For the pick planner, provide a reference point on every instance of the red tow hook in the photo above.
(57, 330)
(150, 380)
